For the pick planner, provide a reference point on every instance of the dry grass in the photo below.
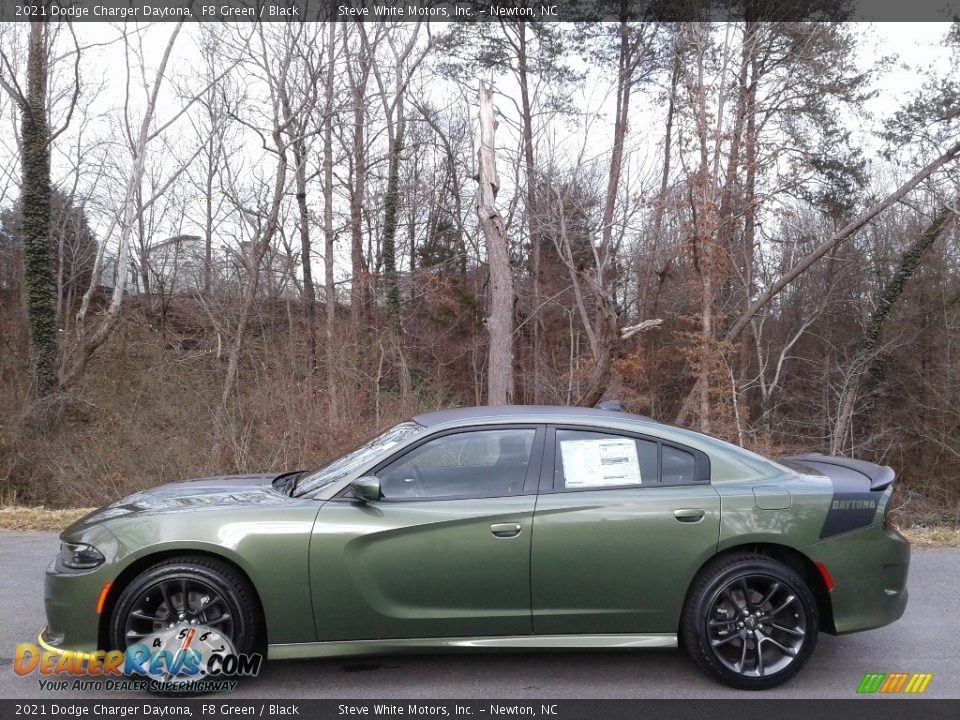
(937, 536)
(38, 518)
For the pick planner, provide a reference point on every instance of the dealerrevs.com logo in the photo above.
(181, 659)
(892, 683)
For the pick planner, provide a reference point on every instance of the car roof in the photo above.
(519, 413)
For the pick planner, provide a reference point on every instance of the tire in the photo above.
(217, 596)
(749, 621)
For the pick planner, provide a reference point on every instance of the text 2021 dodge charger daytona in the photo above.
(510, 527)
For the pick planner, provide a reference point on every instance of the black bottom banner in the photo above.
(749, 708)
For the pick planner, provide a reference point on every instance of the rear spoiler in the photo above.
(880, 476)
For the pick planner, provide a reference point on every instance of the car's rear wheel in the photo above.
(189, 590)
(750, 621)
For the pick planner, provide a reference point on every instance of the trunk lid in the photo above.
(861, 490)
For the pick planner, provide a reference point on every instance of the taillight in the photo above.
(825, 574)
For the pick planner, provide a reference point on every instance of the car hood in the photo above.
(202, 493)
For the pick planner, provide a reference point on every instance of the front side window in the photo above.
(587, 460)
(479, 463)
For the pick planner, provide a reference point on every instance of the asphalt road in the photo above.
(924, 640)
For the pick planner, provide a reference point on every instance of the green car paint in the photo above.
(541, 567)
(600, 563)
(421, 569)
(869, 570)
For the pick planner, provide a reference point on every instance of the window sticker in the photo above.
(599, 463)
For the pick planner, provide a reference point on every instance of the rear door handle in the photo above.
(688, 514)
(505, 530)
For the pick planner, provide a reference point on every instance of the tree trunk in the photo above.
(749, 209)
(37, 266)
(607, 331)
(624, 88)
(532, 210)
(727, 195)
(866, 348)
(144, 260)
(500, 320)
(208, 216)
(706, 245)
(391, 203)
(606, 322)
(309, 294)
(329, 295)
(358, 269)
(659, 208)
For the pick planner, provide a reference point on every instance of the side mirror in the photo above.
(367, 488)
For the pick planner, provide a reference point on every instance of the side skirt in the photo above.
(291, 651)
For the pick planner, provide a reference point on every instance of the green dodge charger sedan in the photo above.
(495, 528)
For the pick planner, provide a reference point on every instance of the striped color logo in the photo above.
(894, 683)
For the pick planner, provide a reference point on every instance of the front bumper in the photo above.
(869, 568)
(51, 644)
(70, 601)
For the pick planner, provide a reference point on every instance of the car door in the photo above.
(444, 553)
(622, 524)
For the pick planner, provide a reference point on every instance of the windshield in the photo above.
(343, 466)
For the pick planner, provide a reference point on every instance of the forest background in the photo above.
(227, 248)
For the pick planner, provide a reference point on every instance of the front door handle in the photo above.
(505, 530)
(688, 514)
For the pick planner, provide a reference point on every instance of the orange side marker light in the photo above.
(101, 601)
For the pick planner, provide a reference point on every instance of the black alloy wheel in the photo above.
(187, 590)
(750, 621)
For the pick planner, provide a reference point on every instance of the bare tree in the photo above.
(888, 298)
(633, 58)
(358, 72)
(500, 319)
(35, 145)
(405, 58)
(827, 246)
(330, 295)
(89, 339)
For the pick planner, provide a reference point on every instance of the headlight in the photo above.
(78, 556)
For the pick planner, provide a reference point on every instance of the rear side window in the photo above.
(587, 460)
(677, 466)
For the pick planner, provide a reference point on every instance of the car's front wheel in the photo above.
(750, 621)
(186, 591)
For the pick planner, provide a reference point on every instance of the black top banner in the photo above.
(476, 10)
